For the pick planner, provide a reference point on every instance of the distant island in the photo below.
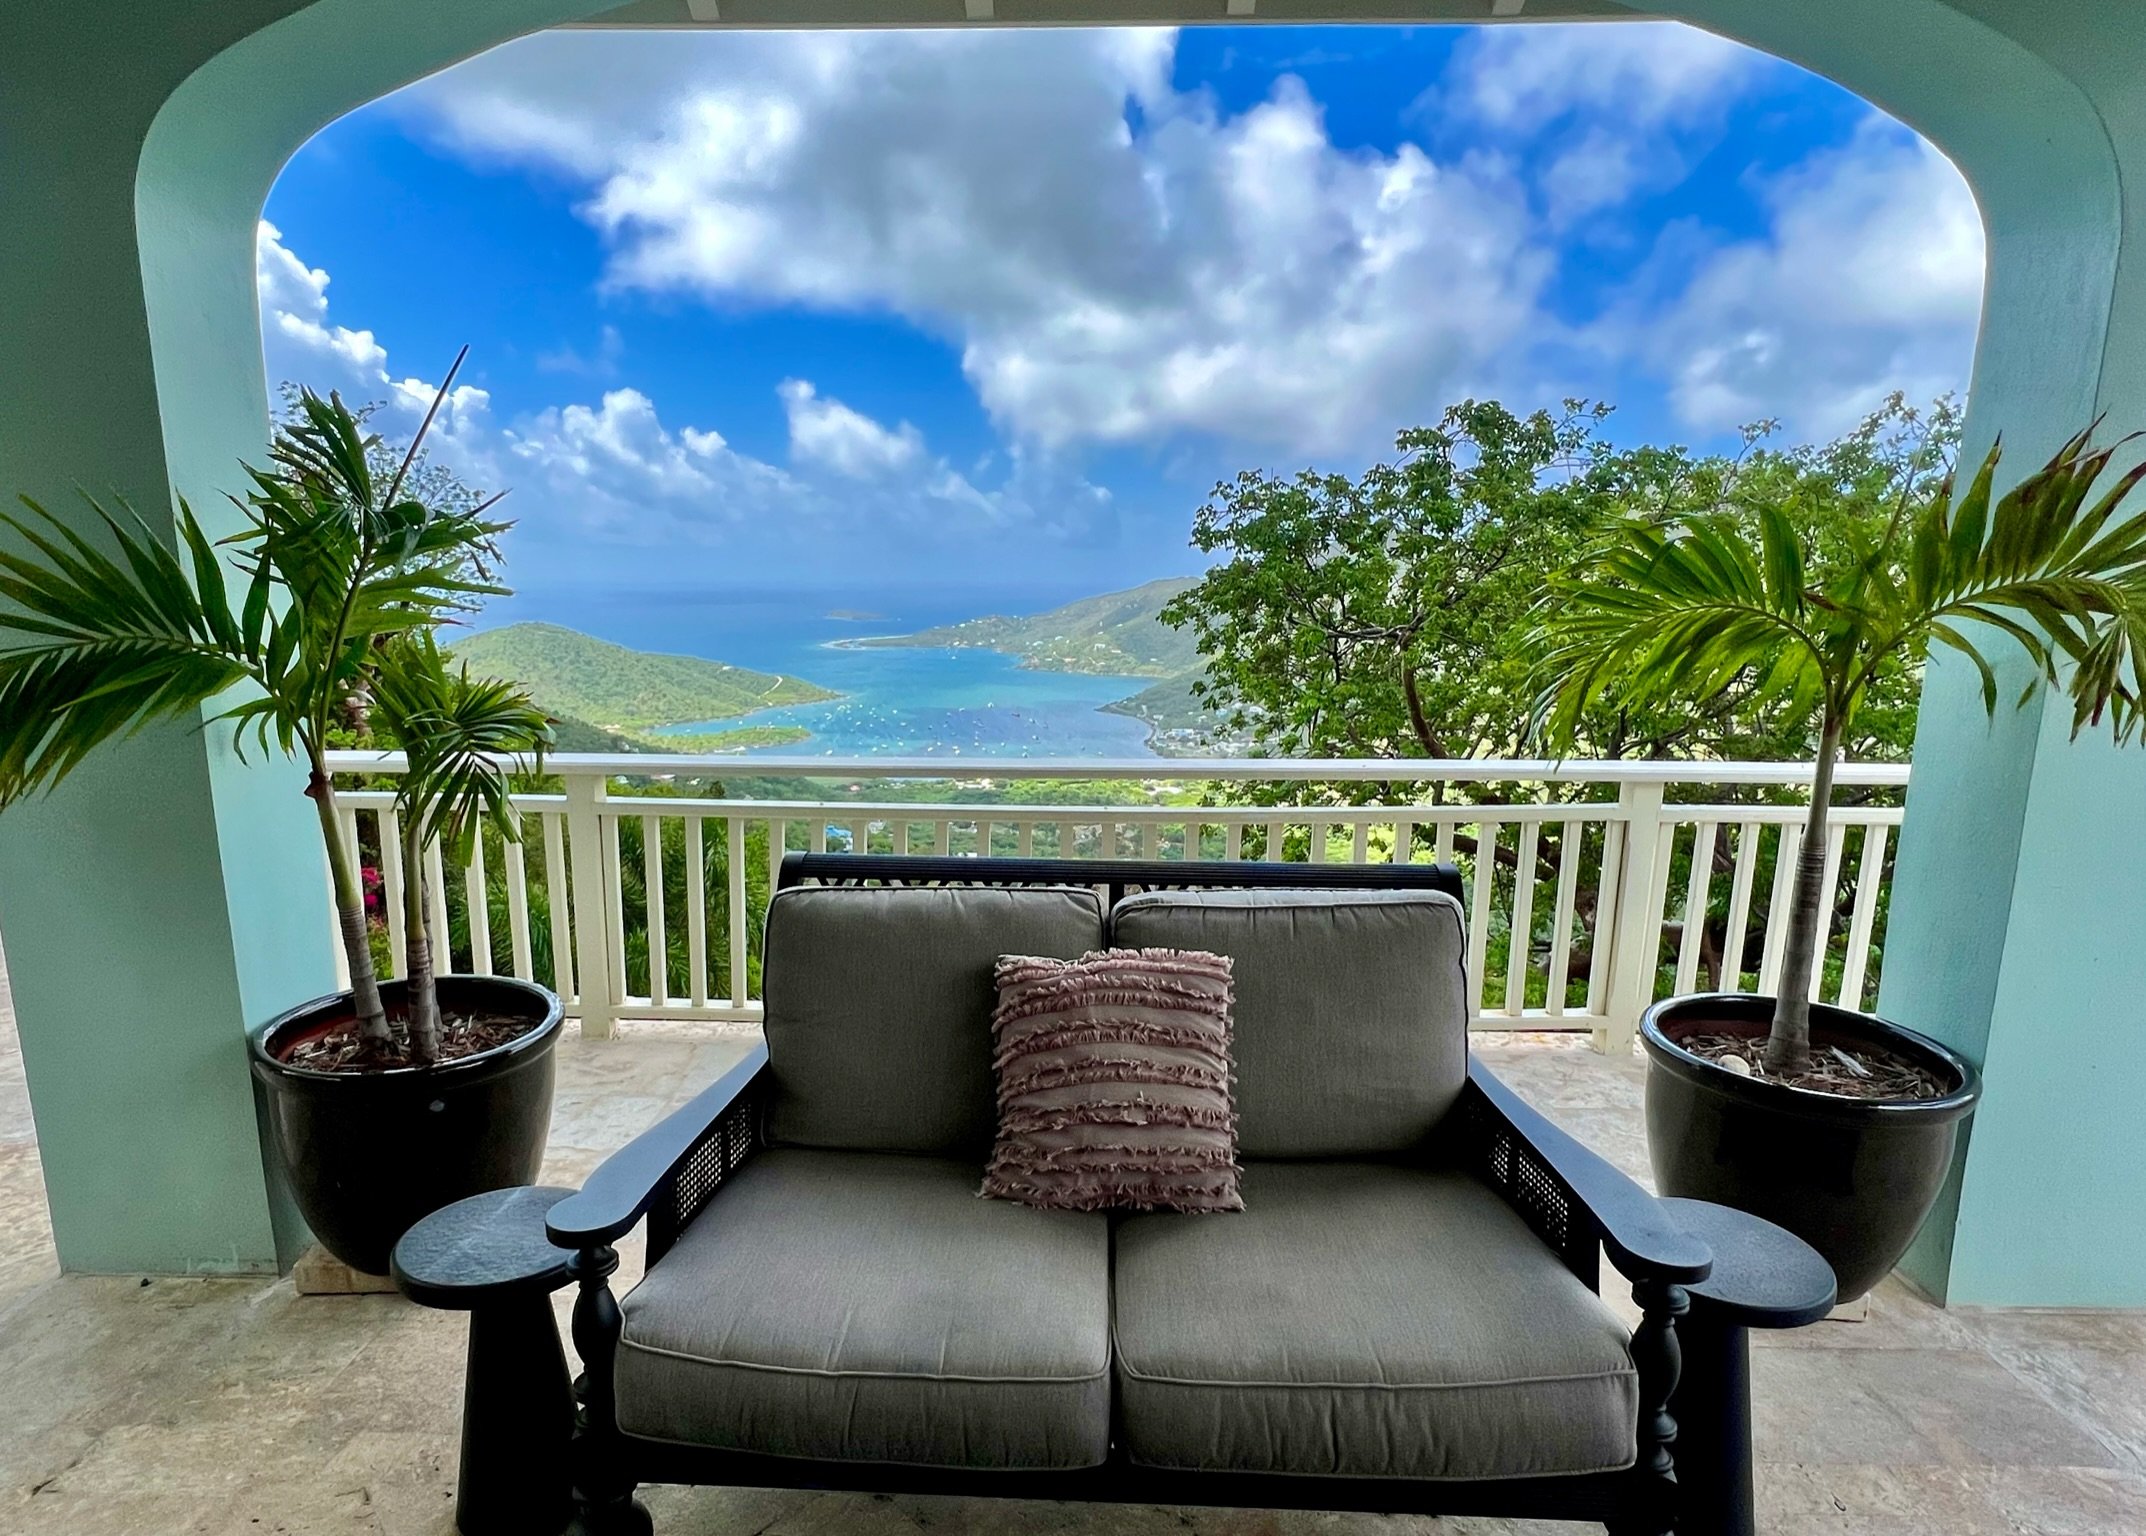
(1118, 633)
(606, 697)
(854, 616)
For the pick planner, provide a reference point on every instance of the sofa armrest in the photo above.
(668, 1171)
(1568, 1194)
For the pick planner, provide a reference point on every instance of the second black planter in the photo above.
(370, 1154)
(1854, 1178)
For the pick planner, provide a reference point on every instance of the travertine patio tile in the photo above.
(1910, 1407)
(2102, 1390)
(603, 1121)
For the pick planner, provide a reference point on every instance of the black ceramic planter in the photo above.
(1854, 1178)
(371, 1154)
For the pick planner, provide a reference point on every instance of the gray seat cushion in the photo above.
(878, 1008)
(1350, 1029)
(869, 1307)
(1365, 1320)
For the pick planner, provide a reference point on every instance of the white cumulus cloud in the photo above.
(294, 317)
(1529, 77)
(1870, 278)
(1233, 273)
(824, 431)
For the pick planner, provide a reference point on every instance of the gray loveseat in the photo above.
(1404, 1317)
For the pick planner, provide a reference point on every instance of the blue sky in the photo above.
(989, 312)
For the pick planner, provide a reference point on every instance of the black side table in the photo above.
(1763, 1278)
(488, 1256)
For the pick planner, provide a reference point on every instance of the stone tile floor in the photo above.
(223, 1407)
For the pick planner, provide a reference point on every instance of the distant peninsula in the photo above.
(1118, 633)
(607, 697)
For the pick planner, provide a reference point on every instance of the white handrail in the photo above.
(1606, 928)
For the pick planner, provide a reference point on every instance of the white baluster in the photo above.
(1697, 892)
(740, 922)
(1520, 941)
(696, 873)
(1559, 980)
(598, 965)
(1637, 940)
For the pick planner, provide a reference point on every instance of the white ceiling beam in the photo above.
(979, 10)
(705, 10)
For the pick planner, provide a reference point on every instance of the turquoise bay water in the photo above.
(896, 702)
(950, 703)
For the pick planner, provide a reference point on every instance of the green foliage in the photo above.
(457, 733)
(1385, 616)
(1368, 617)
(737, 739)
(619, 690)
(1120, 633)
(571, 735)
(1679, 610)
(97, 647)
(102, 642)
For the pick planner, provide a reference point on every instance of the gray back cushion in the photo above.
(1351, 1027)
(879, 1008)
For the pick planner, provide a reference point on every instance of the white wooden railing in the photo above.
(1599, 841)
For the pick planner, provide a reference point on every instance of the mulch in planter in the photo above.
(1856, 1071)
(340, 1049)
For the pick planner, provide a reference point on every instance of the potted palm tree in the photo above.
(386, 1101)
(1834, 1123)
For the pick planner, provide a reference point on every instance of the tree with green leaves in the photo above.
(1683, 609)
(1380, 616)
(334, 563)
(1368, 616)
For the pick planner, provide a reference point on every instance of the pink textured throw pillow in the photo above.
(1114, 1082)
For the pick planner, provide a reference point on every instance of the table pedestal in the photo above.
(517, 1424)
(489, 1256)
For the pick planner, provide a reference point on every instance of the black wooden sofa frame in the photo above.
(1576, 1202)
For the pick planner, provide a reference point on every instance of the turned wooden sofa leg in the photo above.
(603, 1492)
(1660, 1359)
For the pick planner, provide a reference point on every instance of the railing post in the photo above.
(585, 795)
(1636, 939)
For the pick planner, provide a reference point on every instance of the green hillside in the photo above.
(615, 689)
(1118, 632)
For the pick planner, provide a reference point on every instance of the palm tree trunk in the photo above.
(350, 916)
(1788, 1044)
(417, 948)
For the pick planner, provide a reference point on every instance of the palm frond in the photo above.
(2048, 564)
(455, 731)
(96, 645)
(1677, 610)
(2053, 566)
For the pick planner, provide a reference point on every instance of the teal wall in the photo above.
(171, 895)
(119, 894)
